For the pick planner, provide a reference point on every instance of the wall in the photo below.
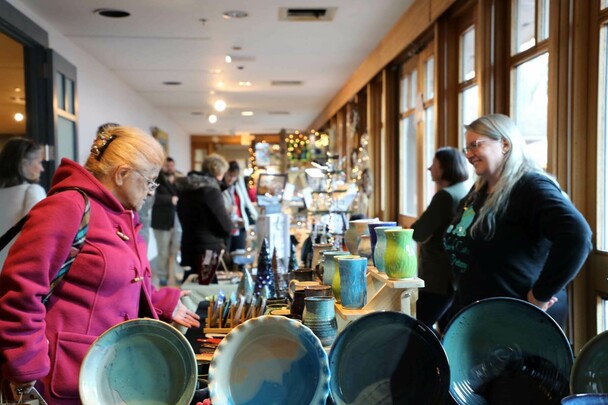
(103, 97)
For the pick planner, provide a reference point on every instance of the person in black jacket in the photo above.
(167, 231)
(205, 221)
(517, 234)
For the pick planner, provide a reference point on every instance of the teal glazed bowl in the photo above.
(386, 358)
(505, 350)
(586, 399)
(269, 360)
(590, 370)
(141, 361)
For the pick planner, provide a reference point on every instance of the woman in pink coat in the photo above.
(109, 281)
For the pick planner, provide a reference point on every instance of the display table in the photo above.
(383, 294)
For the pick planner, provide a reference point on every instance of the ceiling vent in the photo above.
(286, 83)
(278, 112)
(307, 14)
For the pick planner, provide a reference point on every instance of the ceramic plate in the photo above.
(388, 358)
(505, 349)
(586, 399)
(590, 370)
(141, 361)
(269, 360)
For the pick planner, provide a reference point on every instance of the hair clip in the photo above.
(101, 144)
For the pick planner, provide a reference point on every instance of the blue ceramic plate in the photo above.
(590, 370)
(141, 361)
(586, 399)
(388, 358)
(269, 360)
(504, 350)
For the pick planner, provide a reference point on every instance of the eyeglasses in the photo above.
(473, 146)
(152, 185)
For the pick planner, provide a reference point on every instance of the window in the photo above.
(408, 162)
(530, 74)
(430, 144)
(467, 80)
(602, 314)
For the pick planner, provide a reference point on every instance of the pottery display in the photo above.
(270, 360)
(372, 233)
(317, 249)
(590, 370)
(505, 350)
(400, 256)
(386, 358)
(356, 229)
(320, 317)
(330, 265)
(353, 283)
(381, 246)
(335, 282)
(142, 361)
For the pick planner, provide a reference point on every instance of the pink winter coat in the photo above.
(109, 282)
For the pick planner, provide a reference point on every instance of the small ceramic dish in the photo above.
(388, 358)
(142, 361)
(269, 360)
(590, 370)
(505, 350)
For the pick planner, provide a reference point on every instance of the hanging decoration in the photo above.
(297, 147)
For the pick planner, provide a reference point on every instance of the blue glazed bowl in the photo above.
(269, 360)
(141, 361)
(586, 399)
(590, 370)
(505, 350)
(388, 358)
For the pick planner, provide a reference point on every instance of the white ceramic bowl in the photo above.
(141, 361)
(269, 360)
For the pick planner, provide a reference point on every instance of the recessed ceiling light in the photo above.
(18, 117)
(212, 119)
(17, 89)
(246, 113)
(172, 83)
(112, 13)
(220, 84)
(215, 71)
(245, 84)
(234, 14)
(228, 59)
(220, 105)
(212, 92)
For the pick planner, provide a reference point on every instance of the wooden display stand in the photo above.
(383, 294)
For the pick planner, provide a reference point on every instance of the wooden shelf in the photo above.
(383, 294)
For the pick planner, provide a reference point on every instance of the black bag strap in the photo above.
(77, 243)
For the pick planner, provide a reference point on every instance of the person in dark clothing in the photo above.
(205, 221)
(449, 172)
(517, 234)
(164, 223)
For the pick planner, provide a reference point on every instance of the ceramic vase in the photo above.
(320, 317)
(335, 282)
(317, 249)
(330, 265)
(356, 229)
(381, 246)
(372, 233)
(353, 283)
(400, 259)
(365, 249)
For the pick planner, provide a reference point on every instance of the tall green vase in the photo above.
(400, 258)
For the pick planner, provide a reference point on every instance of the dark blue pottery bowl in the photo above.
(388, 358)
(586, 399)
(590, 370)
(507, 351)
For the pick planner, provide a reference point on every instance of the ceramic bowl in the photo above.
(142, 361)
(388, 358)
(590, 370)
(505, 349)
(586, 399)
(269, 360)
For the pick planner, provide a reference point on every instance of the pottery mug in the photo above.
(353, 281)
(303, 274)
(295, 285)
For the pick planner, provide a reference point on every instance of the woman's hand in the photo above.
(18, 389)
(183, 316)
(544, 305)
